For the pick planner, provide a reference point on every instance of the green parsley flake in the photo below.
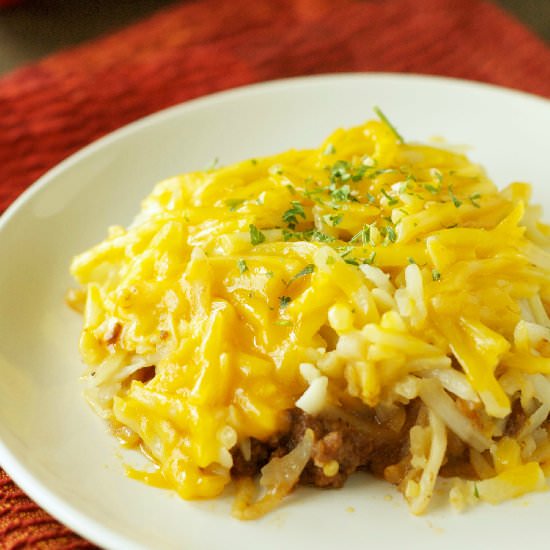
(476, 492)
(284, 301)
(345, 250)
(341, 194)
(435, 173)
(351, 261)
(364, 235)
(318, 236)
(308, 270)
(256, 236)
(391, 234)
(309, 235)
(370, 259)
(329, 150)
(436, 276)
(391, 200)
(242, 266)
(275, 170)
(290, 217)
(473, 198)
(283, 322)
(233, 204)
(431, 188)
(214, 164)
(456, 202)
(386, 121)
(335, 219)
(340, 171)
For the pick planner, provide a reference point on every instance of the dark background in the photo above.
(35, 28)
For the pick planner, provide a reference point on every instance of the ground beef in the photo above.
(356, 441)
(260, 453)
(515, 420)
(457, 459)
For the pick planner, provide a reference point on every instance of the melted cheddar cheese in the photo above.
(367, 268)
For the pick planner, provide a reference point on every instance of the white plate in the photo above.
(60, 453)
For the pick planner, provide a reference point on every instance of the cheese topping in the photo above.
(368, 268)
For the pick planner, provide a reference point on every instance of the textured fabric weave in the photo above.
(50, 109)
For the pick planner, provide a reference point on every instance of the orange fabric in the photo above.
(24, 525)
(50, 109)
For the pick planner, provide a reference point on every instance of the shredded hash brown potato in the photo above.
(368, 305)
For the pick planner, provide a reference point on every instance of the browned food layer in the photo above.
(344, 442)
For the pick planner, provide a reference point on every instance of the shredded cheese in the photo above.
(370, 269)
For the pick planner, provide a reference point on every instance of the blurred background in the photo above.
(32, 29)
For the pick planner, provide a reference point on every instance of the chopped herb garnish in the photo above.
(359, 173)
(437, 175)
(403, 186)
(330, 260)
(410, 259)
(340, 171)
(309, 235)
(431, 188)
(367, 161)
(256, 236)
(371, 198)
(288, 235)
(341, 194)
(290, 217)
(329, 150)
(456, 202)
(335, 219)
(254, 161)
(370, 259)
(283, 322)
(476, 492)
(291, 188)
(473, 198)
(233, 204)
(385, 120)
(269, 274)
(436, 276)
(284, 301)
(275, 170)
(214, 164)
(318, 236)
(364, 235)
(308, 270)
(345, 250)
(242, 266)
(391, 200)
(351, 261)
(310, 192)
(376, 173)
(390, 233)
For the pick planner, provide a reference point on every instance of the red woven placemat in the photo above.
(51, 109)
